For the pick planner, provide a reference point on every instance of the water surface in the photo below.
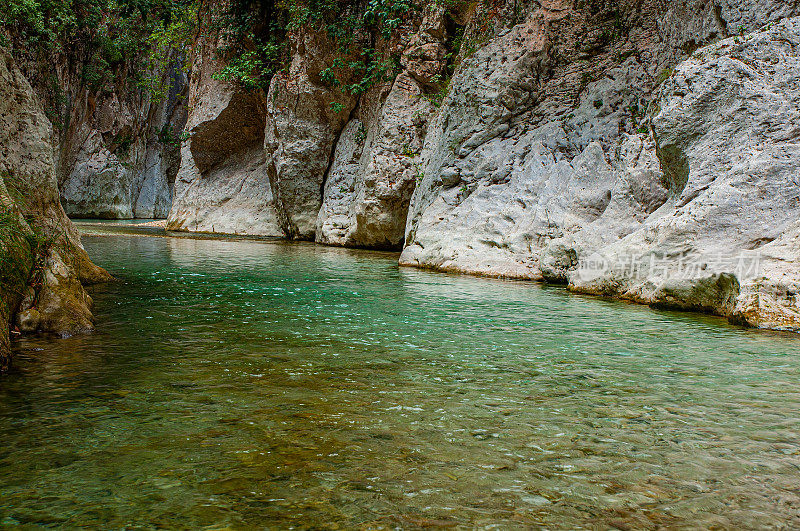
(248, 385)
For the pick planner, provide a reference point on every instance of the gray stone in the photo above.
(541, 158)
(29, 197)
(222, 184)
(727, 138)
(304, 118)
(118, 152)
(392, 127)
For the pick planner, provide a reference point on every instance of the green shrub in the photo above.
(261, 49)
(102, 33)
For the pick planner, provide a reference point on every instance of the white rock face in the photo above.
(543, 199)
(638, 190)
(302, 126)
(153, 191)
(333, 221)
(738, 16)
(728, 137)
(99, 185)
(537, 170)
(233, 197)
(118, 152)
(381, 181)
(500, 183)
(154, 178)
(388, 139)
(222, 185)
(390, 168)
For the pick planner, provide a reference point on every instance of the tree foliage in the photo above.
(260, 48)
(102, 34)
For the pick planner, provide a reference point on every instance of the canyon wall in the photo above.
(116, 138)
(43, 266)
(308, 160)
(222, 183)
(588, 143)
(572, 149)
(376, 164)
(541, 120)
(727, 131)
(118, 149)
(640, 149)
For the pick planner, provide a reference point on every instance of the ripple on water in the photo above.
(247, 384)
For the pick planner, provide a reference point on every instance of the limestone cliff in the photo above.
(556, 148)
(539, 123)
(367, 192)
(118, 152)
(296, 137)
(301, 129)
(222, 184)
(727, 131)
(43, 266)
(116, 136)
(560, 134)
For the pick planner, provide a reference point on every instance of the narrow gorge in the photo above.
(506, 139)
(269, 185)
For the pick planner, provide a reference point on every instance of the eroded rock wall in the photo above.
(558, 136)
(305, 118)
(341, 166)
(44, 265)
(222, 185)
(366, 200)
(544, 152)
(117, 144)
(517, 154)
(728, 137)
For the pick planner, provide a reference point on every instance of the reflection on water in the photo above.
(247, 385)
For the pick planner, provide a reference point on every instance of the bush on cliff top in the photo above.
(259, 28)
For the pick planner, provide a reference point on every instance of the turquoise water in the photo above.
(246, 385)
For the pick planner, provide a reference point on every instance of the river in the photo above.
(241, 384)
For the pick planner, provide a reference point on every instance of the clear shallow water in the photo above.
(249, 385)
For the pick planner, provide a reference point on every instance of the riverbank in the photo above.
(158, 228)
